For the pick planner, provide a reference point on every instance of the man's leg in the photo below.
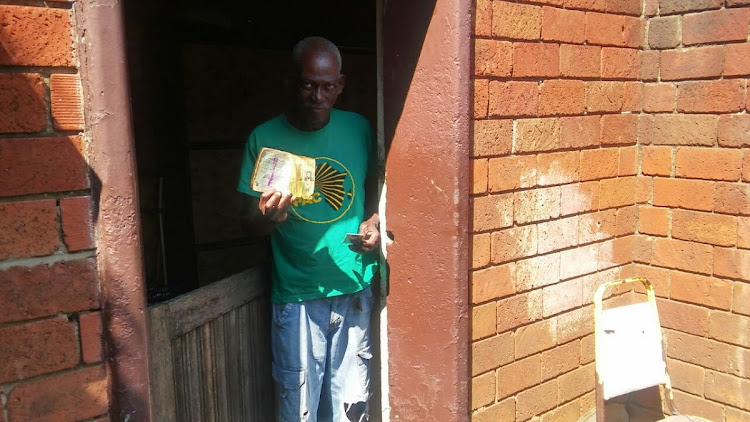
(299, 346)
(350, 356)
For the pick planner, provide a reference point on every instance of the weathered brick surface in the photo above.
(493, 212)
(606, 29)
(605, 96)
(681, 193)
(483, 18)
(92, 346)
(620, 63)
(481, 97)
(656, 160)
(483, 390)
(44, 290)
(480, 250)
(29, 229)
(536, 400)
(537, 272)
(734, 130)
(579, 132)
(479, 179)
(37, 165)
(536, 205)
(727, 389)
(701, 290)
(737, 60)
(683, 255)
(561, 97)
(519, 310)
(664, 32)
(77, 223)
(715, 26)
(536, 60)
(659, 98)
(692, 63)
(537, 135)
(562, 297)
(508, 173)
(493, 283)
(36, 348)
(681, 6)
(563, 25)
(514, 98)
(685, 129)
(535, 338)
(34, 36)
(708, 163)
(503, 411)
(511, 244)
(557, 168)
(599, 163)
(561, 359)
(23, 108)
(582, 61)
(66, 99)
(483, 320)
(492, 58)
(683, 317)
(516, 21)
(492, 137)
(491, 353)
(711, 96)
(76, 395)
(518, 376)
(708, 353)
(619, 129)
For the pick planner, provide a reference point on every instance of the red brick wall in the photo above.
(608, 142)
(50, 322)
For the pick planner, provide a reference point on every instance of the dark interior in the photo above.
(202, 75)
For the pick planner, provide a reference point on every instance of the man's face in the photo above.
(318, 85)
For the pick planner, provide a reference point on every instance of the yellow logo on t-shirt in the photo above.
(334, 192)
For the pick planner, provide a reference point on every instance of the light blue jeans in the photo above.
(321, 358)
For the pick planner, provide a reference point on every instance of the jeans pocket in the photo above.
(292, 394)
(281, 312)
(364, 356)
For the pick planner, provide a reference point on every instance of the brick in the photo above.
(745, 166)
(646, 129)
(732, 198)
(562, 297)
(697, 406)
(738, 60)
(681, 193)
(597, 226)
(34, 36)
(536, 205)
(633, 99)
(659, 98)
(514, 98)
(575, 324)
(708, 163)
(686, 377)
(558, 234)
(77, 223)
(23, 107)
(743, 232)
(708, 353)
(492, 58)
(481, 97)
(580, 197)
(615, 252)
(492, 283)
(732, 263)
(493, 212)
(650, 65)
(511, 244)
(579, 132)
(741, 298)
(617, 192)
(518, 376)
(482, 390)
(579, 261)
(730, 328)
(715, 26)
(569, 412)
(619, 129)
(29, 229)
(598, 5)
(537, 272)
(728, 389)
(516, 21)
(599, 163)
(41, 165)
(35, 292)
(92, 346)
(480, 250)
(734, 130)
(650, 7)
(628, 165)
(723, 96)
(587, 352)
(580, 61)
(733, 3)
(604, 96)
(656, 160)
(659, 278)
(683, 317)
(37, 348)
(66, 99)
(653, 221)
(483, 18)
(702, 62)
(503, 411)
(492, 137)
(519, 310)
(537, 135)
(535, 337)
(685, 129)
(557, 168)
(483, 321)
(620, 63)
(576, 383)
(664, 32)
(491, 353)
(513, 172)
(76, 395)
(643, 249)
(605, 29)
(563, 25)
(682, 255)
(561, 97)
(734, 415)
(628, 7)
(681, 6)
(479, 179)
(536, 60)
(537, 400)
(560, 360)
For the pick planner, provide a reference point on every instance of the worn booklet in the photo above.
(285, 172)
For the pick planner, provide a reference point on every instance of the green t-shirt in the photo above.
(310, 261)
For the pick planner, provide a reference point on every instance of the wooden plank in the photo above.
(161, 367)
(220, 356)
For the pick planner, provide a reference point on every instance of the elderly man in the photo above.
(321, 290)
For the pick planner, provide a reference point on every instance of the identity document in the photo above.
(284, 172)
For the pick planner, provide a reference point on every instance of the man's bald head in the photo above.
(315, 47)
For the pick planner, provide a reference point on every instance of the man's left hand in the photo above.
(370, 238)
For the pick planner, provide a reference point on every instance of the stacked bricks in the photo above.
(692, 232)
(50, 323)
(608, 142)
(557, 97)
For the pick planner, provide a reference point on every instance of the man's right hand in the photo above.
(275, 205)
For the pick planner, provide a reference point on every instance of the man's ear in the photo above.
(342, 82)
